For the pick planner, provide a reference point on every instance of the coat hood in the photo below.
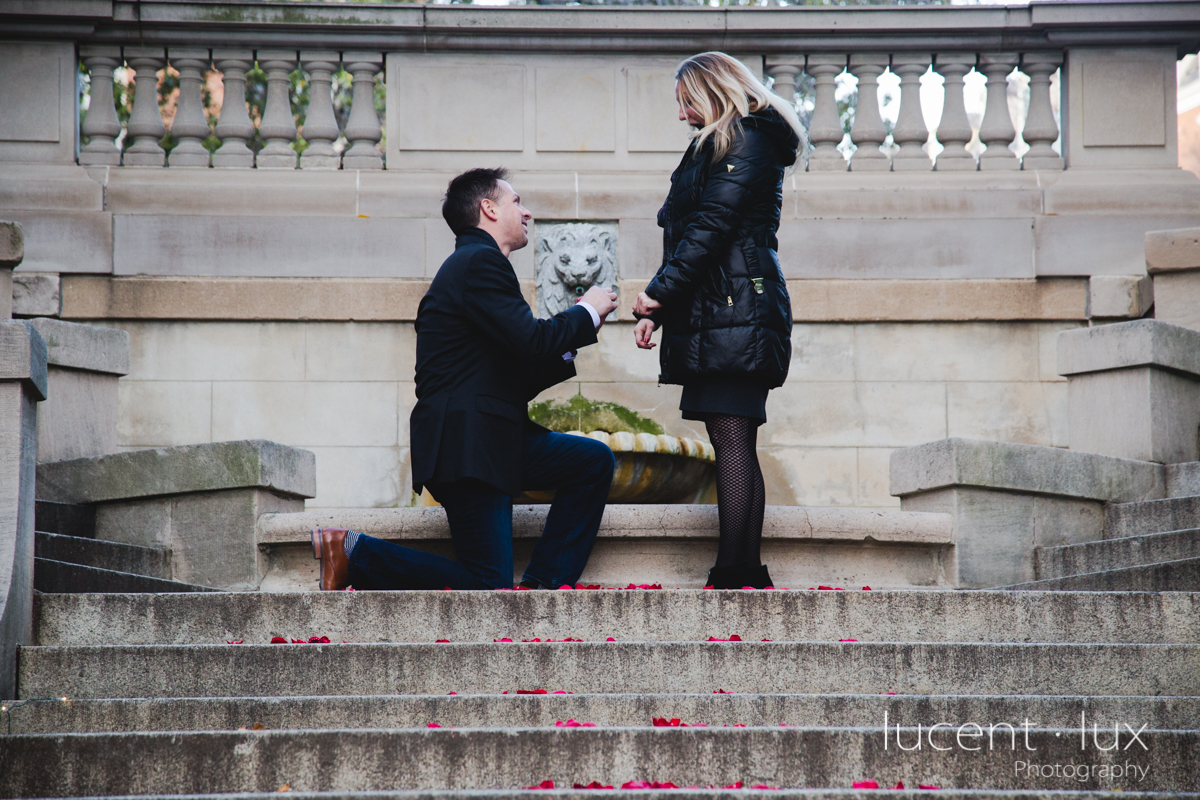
(783, 137)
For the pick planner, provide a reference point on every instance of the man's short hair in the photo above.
(460, 206)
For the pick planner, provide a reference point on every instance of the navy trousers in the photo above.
(580, 472)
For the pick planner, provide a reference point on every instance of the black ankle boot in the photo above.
(758, 577)
(737, 576)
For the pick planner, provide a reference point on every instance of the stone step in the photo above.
(55, 577)
(154, 562)
(1132, 551)
(372, 760)
(1151, 516)
(706, 794)
(635, 615)
(68, 519)
(653, 543)
(1182, 575)
(702, 667)
(533, 710)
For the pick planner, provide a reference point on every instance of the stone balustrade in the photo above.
(234, 128)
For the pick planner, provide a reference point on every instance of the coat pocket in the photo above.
(486, 404)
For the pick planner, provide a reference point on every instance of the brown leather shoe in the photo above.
(329, 549)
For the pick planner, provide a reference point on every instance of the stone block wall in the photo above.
(344, 390)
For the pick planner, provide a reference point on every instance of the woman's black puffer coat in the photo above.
(726, 311)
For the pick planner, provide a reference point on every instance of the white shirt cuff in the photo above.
(592, 311)
(568, 356)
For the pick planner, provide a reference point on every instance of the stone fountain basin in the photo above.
(653, 469)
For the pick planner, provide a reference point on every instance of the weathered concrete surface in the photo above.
(22, 386)
(36, 294)
(1168, 251)
(1023, 468)
(490, 710)
(635, 615)
(1156, 516)
(1119, 296)
(64, 577)
(931, 668)
(152, 561)
(79, 417)
(178, 470)
(12, 252)
(515, 757)
(656, 794)
(641, 521)
(1168, 576)
(1057, 562)
(88, 347)
(1183, 480)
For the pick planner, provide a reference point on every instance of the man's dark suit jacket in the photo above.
(481, 357)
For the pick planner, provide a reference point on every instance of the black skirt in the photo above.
(704, 398)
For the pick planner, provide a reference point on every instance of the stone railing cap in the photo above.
(253, 463)
(23, 355)
(1169, 251)
(1140, 343)
(87, 347)
(1025, 468)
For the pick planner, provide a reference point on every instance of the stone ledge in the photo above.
(1170, 251)
(12, 244)
(632, 522)
(1026, 468)
(36, 294)
(1140, 343)
(87, 347)
(87, 297)
(23, 355)
(179, 470)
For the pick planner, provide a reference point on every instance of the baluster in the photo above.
(910, 132)
(234, 127)
(1040, 128)
(101, 124)
(955, 129)
(997, 131)
(320, 125)
(825, 131)
(868, 132)
(190, 126)
(278, 126)
(785, 70)
(362, 129)
(145, 122)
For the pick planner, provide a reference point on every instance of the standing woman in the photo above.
(719, 295)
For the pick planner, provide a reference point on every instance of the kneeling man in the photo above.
(481, 357)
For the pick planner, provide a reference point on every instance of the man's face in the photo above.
(511, 217)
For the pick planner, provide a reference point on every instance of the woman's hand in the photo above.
(644, 304)
(642, 332)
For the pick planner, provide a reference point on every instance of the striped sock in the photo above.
(350, 542)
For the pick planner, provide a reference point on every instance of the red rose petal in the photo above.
(542, 785)
(433, 725)
(866, 588)
(278, 640)
(318, 640)
(441, 641)
(721, 691)
(239, 641)
(531, 691)
(502, 640)
(847, 640)
(737, 785)
(927, 786)
(592, 785)
(899, 785)
(447, 589)
(829, 588)
(610, 639)
(864, 785)
(735, 638)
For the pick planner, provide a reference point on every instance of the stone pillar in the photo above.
(145, 122)
(1173, 259)
(278, 127)
(955, 129)
(785, 70)
(22, 386)
(84, 363)
(190, 126)
(1040, 128)
(868, 133)
(910, 133)
(362, 129)
(320, 125)
(1133, 390)
(234, 126)
(997, 131)
(101, 125)
(825, 131)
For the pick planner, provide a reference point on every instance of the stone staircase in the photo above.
(143, 694)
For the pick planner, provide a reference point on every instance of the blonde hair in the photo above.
(723, 90)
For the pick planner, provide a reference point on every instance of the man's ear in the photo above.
(487, 208)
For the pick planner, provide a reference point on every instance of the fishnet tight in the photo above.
(741, 494)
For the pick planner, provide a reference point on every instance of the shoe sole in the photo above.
(316, 544)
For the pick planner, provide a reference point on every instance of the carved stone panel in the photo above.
(572, 257)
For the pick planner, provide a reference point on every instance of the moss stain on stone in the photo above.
(581, 414)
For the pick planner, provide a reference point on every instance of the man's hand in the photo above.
(644, 304)
(642, 332)
(601, 299)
